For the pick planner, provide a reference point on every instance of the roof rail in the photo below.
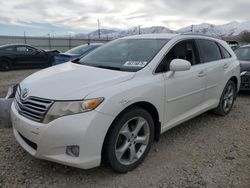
(199, 34)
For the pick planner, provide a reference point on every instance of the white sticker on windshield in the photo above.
(135, 64)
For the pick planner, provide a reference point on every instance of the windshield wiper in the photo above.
(76, 60)
(108, 67)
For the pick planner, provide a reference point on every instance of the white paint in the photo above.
(177, 98)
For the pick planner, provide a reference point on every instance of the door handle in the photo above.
(225, 66)
(202, 74)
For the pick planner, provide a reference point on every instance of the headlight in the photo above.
(243, 73)
(64, 108)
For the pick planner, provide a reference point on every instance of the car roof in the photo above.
(152, 36)
(171, 36)
(245, 46)
(12, 45)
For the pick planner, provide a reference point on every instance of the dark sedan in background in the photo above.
(15, 56)
(243, 54)
(74, 53)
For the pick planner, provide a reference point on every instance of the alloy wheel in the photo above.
(132, 140)
(228, 98)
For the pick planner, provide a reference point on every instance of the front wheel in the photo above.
(129, 140)
(227, 99)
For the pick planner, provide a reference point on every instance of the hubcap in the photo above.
(228, 98)
(132, 140)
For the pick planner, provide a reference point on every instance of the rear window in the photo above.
(8, 49)
(209, 50)
(243, 53)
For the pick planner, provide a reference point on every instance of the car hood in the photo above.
(71, 81)
(244, 66)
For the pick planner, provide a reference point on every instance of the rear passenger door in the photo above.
(215, 64)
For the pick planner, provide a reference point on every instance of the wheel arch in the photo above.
(5, 59)
(149, 107)
(235, 80)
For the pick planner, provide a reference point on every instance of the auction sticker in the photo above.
(135, 64)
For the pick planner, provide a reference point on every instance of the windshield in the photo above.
(125, 54)
(243, 54)
(79, 49)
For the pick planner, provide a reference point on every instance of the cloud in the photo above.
(77, 15)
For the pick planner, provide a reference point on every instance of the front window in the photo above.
(243, 54)
(125, 54)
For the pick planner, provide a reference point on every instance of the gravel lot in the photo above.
(207, 151)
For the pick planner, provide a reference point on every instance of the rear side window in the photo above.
(225, 54)
(209, 50)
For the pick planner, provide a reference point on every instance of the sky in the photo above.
(66, 17)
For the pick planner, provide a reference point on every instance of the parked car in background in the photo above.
(13, 56)
(113, 103)
(235, 47)
(74, 53)
(243, 54)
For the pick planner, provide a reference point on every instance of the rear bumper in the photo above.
(49, 141)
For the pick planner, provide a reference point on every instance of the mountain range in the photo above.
(225, 30)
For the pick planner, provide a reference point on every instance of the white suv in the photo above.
(111, 104)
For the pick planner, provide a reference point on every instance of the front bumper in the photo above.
(49, 141)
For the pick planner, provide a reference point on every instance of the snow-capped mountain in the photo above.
(225, 30)
(112, 34)
(95, 34)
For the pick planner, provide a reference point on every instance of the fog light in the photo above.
(73, 151)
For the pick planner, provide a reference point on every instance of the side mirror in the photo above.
(179, 65)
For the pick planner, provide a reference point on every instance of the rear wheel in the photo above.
(4, 65)
(227, 99)
(129, 140)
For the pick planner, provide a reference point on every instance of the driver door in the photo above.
(184, 89)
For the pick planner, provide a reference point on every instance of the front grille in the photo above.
(33, 108)
(30, 143)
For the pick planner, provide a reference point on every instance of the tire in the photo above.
(128, 140)
(228, 96)
(4, 65)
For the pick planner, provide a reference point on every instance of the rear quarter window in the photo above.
(225, 54)
(209, 50)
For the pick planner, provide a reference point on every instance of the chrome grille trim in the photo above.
(33, 108)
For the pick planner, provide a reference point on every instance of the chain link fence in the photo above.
(58, 43)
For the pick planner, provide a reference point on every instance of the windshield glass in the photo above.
(79, 49)
(125, 54)
(243, 53)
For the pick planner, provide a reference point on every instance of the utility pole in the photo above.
(99, 32)
(24, 37)
(139, 29)
(49, 40)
